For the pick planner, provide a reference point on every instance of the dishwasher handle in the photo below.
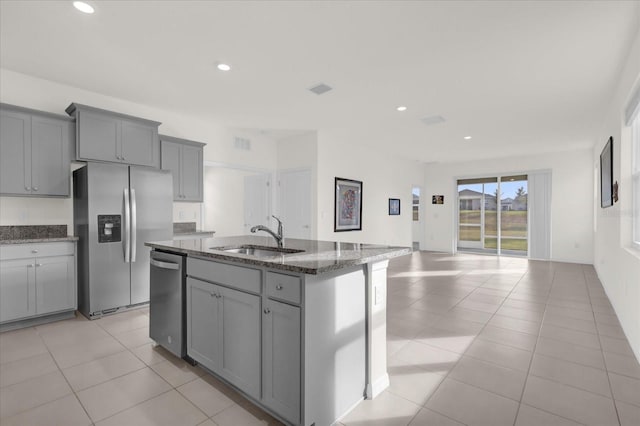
(164, 265)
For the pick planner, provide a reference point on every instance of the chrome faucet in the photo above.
(279, 237)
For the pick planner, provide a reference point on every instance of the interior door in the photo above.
(294, 195)
(257, 201)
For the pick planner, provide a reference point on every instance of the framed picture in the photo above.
(394, 207)
(437, 199)
(348, 205)
(606, 174)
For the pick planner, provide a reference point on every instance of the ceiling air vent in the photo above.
(321, 88)
(242, 143)
(434, 119)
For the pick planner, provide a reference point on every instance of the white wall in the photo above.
(383, 177)
(617, 265)
(571, 202)
(301, 152)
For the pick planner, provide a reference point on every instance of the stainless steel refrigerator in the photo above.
(116, 209)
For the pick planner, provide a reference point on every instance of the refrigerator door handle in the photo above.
(127, 227)
(134, 226)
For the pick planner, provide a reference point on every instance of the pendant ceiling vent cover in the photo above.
(321, 88)
(434, 119)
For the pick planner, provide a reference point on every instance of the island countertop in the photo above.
(317, 257)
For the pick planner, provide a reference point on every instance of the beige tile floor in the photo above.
(473, 340)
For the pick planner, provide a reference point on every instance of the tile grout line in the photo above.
(604, 360)
(476, 336)
(65, 378)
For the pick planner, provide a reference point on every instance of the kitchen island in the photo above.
(300, 331)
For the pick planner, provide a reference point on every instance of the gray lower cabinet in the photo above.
(223, 333)
(110, 136)
(281, 359)
(203, 334)
(17, 289)
(184, 159)
(34, 152)
(36, 280)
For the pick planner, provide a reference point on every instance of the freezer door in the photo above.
(108, 272)
(151, 220)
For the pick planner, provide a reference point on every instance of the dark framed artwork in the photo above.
(606, 174)
(394, 207)
(348, 205)
(437, 199)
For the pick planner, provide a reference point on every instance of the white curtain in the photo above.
(540, 215)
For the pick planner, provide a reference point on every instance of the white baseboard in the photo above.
(374, 389)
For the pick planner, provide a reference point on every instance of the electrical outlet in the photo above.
(377, 292)
(181, 214)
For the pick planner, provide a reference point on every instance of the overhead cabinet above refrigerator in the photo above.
(118, 208)
(118, 138)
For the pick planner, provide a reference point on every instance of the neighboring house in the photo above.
(506, 203)
(470, 200)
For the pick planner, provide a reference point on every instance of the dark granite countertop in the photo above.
(29, 234)
(317, 257)
(39, 240)
(194, 232)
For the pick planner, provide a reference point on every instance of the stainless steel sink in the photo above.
(257, 251)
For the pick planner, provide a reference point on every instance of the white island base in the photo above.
(345, 341)
(302, 334)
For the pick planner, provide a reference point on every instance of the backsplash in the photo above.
(28, 232)
(182, 227)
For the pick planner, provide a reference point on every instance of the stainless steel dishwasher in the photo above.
(167, 317)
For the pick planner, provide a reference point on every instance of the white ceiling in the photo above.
(520, 77)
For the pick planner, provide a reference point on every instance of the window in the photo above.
(635, 175)
(416, 203)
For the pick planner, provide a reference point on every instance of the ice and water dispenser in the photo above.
(109, 228)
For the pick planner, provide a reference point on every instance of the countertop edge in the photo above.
(39, 240)
(395, 252)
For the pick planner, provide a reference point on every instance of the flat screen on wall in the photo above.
(606, 175)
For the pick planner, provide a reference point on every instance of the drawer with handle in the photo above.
(283, 287)
(22, 251)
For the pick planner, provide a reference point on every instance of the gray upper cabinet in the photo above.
(34, 152)
(109, 136)
(184, 159)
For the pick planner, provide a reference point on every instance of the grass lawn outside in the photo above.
(512, 222)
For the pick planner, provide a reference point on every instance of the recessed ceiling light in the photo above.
(402, 108)
(224, 67)
(83, 7)
(467, 138)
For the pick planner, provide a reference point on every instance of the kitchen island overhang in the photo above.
(342, 309)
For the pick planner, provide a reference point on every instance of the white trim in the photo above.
(238, 167)
(376, 388)
(633, 107)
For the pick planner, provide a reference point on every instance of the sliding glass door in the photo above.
(492, 214)
(513, 215)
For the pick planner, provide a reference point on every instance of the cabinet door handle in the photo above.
(279, 287)
(219, 296)
(38, 265)
(29, 266)
(35, 188)
(27, 188)
(212, 294)
(267, 311)
(34, 251)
